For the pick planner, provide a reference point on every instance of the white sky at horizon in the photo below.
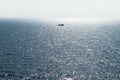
(60, 8)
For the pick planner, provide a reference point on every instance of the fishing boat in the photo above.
(60, 24)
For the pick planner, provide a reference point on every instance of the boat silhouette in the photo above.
(60, 24)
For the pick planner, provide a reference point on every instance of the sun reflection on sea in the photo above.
(78, 20)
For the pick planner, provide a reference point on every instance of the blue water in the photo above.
(45, 51)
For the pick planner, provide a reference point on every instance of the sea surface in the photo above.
(46, 51)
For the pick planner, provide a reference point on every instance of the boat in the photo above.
(60, 24)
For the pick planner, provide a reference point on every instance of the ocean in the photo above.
(46, 51)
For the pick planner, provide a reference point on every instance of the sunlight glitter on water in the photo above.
(78, 20)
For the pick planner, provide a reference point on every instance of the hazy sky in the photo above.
(60, 8)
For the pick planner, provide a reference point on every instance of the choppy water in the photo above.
(30, 51)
